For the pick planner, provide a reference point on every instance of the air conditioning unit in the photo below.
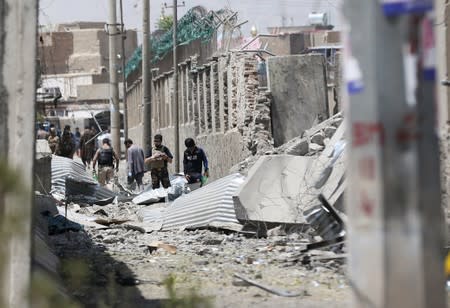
(318, 19)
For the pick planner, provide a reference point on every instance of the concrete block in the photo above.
(300, 148)
(318, 138)
(329, 131)
(314, 147)
(270, 192)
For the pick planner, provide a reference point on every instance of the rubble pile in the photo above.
(273, 232)
(311, 143)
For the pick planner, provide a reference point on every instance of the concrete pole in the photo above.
(146, 78)
(113, 84)
(393, 195)
(18, 22)
(175, 89)
(441, 57)
(124, 80)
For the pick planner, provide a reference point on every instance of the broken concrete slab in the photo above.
(270, 192)
(279, 188)
(329, 131)
(314, 147)
(326, 174)
(300, 148)
(318, 138)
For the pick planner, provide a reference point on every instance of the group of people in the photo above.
(66, 144)
(106, 160)
(194, 159)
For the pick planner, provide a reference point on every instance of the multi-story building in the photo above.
(74, 64)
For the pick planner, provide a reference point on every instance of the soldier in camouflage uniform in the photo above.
(160, 156)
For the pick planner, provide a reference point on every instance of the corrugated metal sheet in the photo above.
(211, 205)
(80, 185)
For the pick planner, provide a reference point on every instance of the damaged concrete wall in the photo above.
(299, 90)
(18, 20)
(221, 106)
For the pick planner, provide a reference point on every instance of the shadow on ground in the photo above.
(70, 269)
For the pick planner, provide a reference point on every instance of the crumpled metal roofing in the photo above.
(209, 206)
(70, 179)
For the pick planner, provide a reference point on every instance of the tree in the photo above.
(165, 23)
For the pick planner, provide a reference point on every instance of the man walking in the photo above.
(135, 164)
(193, 159)
(106, 157)
(53, 140)
(160, 156)
(66, 145)
(87, 147)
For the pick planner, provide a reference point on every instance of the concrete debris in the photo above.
(300, 149)
(329, 131)
(318, 138)
(315, 148)
(269, 193)
(150, 196)
(109, 222)
(278, 188)
(270, 289)
(310, 143)
(167, 247)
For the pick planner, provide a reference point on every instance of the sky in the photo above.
(259, 13)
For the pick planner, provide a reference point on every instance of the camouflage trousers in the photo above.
(160, 175)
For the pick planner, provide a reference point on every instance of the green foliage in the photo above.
(9, 179)
(191, 26)
(190, 300)
(165, 23)
(12, 222)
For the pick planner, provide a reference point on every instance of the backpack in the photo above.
(105, 157)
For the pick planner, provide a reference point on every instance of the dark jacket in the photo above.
(192, 161)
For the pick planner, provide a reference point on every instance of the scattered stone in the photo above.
(313, 147)
(201, 262)
(212, 241)
(278, 231)
(329, 131)
(318, 138)
(111, 239)
(300, 148)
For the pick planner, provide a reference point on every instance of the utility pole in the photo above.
(395, 222)
(146, 62)
(175, 88)
(175, 85)
(124, 81)
(113, 85)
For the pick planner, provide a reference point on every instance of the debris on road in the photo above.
(270, 289)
